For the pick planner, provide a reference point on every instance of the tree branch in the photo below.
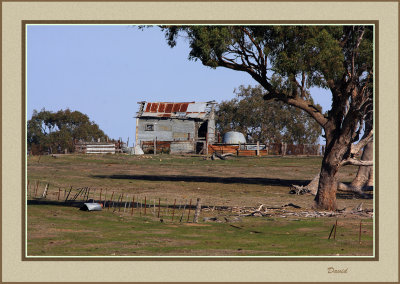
(242, 67)
(360, 38)
(260, 53)
(307, 106)
(303, 81)
(355, 149)
(355, 162)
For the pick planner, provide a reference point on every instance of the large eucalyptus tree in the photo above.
(287, 61)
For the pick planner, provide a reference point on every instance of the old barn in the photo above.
(169, 127)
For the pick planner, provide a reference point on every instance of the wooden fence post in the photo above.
(112, 195)
(258, 148)
(83, 192)
(127, 196)
(113, 205)
(45, 190)
(105, 199)
(173, 211)
(190, 206)
(76, 194)
(120, 202)
(133, 204)
(37, 186)
(117, 203)
(159, 201)
(334, 233)
(183, 212)
(333, 226)
(88, 193)
(198, 210)
(207, 143)
(68, 194)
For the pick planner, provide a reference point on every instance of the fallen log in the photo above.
(255, 213)
(261, 211)
(312, 188)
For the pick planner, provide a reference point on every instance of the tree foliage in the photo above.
(49, 131)
(265, 121)
(287, 61)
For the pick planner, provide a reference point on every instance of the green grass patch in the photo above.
(59, 230)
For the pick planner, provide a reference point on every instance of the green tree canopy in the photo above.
(265, 121)
(48, 130)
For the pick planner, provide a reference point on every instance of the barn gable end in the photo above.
(182, 127)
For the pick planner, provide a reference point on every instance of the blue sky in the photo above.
(104, 70)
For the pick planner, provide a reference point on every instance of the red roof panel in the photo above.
(148, 107)
(184, 107)
(154, 107)
(176, 107)
(161, 108)
(168, 108)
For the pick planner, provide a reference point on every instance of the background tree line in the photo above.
(265, 121)
(52, 132)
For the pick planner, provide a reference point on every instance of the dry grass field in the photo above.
(227, 189)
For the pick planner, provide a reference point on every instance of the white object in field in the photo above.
(138, 150)
(93, 206)
(233, 137)
(45, 191)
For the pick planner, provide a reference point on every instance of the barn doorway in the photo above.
(201, 134)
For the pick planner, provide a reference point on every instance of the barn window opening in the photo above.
(149, 127)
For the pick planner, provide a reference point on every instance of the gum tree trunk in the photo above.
(336, 148)
(326, 195)
(363, 180)
(365, 175)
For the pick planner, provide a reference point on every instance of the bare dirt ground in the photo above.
(236, 182)
(230, 192)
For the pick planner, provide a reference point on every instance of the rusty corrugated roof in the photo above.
(176, 110)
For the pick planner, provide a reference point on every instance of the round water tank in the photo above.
(233, 137)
